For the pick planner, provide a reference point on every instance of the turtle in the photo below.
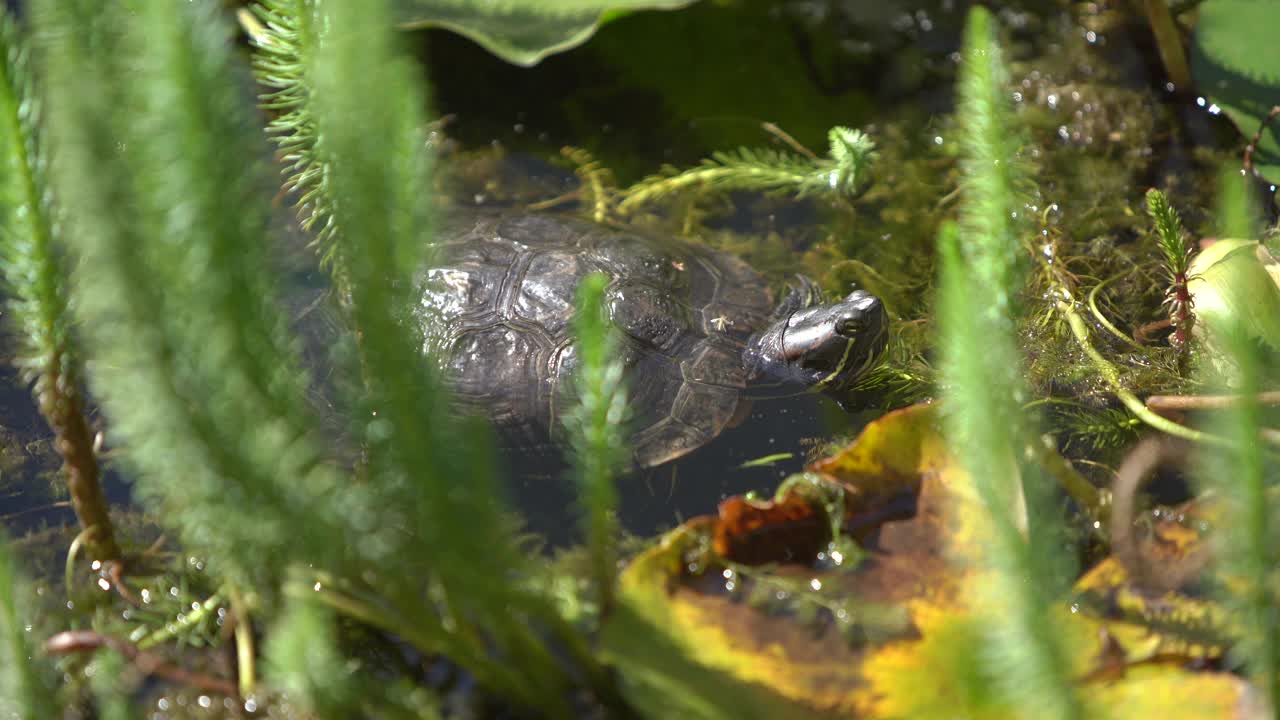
(700, 334)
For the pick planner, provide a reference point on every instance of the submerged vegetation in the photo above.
(1055, 326)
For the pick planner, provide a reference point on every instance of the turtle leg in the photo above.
(805, 293)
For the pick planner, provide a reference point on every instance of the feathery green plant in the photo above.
(304, 662)
(981, 368)
(26, 690)
(109, 691)
(283, 60)
(766, 170)
(596, 430)
(37, 303)
(179, 304)
(1245, 541)
(369, 119)
(175, 291)
(1177, 258)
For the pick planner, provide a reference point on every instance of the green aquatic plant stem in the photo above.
(596, 179)
(982, 370)
(1239, 475)
(246, 657)
(25, 688)
(596, 431)
(765, 170)
(1101, 318)
(1023, 652)
(38, 304)
(369, 114)
(1177, 260)
(1111, 375)
(1168, 43)
(191, 617)
(304, 660)
(222, 446)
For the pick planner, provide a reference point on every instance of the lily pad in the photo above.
(1236, 62)
(522, 32)
(716, 622)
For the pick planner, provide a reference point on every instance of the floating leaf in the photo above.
(522, 32)
(1236, 63)
(1232, 282)
(703, 631)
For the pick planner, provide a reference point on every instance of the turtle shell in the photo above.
(500, 294)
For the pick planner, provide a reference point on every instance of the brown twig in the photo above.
(1142, 333)
(1150, 453)
(787, 140)
(1252, 147)
(80, 641)
(1160, 403)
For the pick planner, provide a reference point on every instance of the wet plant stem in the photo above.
(1209, 402)
(1076, 485)
(78, 641)
(1127, 398)
(1102, 319)
(1252, 147)
(1168, 43)
(186, 620)
(73, 440)
(246, 669)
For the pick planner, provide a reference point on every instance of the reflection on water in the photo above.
(657, 498)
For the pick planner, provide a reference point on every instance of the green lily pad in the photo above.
(522, 32)
(1236, 64)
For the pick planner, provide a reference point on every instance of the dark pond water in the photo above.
(671, 88)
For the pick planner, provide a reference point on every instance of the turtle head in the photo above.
(825, 347)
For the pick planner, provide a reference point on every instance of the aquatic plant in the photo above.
(837, 175)
(26, 687)
(37, 294)
(1237, 473)
(351, 546)
(1177, 256)
(981, 370)
(285, 44)
(413, 543)
(205, 343)
(596, 426)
